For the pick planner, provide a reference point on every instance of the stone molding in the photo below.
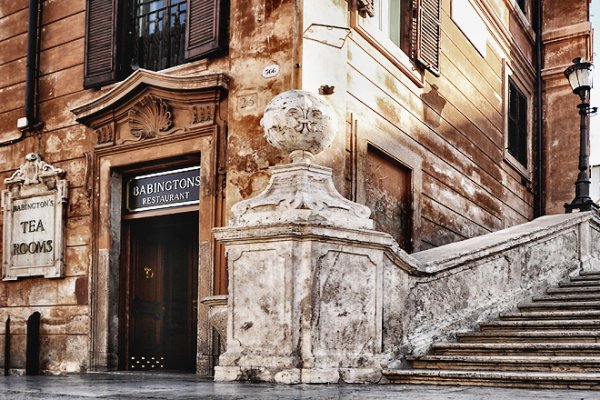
(35, 171)
(142, 79)
(299, 123)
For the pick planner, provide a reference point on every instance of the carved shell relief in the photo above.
(150, 117)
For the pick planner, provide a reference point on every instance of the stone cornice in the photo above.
(567, 32)
(142, 79)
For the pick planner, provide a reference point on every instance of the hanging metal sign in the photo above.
(167, 189)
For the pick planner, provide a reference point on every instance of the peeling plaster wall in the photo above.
(263, 33)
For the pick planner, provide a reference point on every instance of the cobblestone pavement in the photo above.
(177, 387)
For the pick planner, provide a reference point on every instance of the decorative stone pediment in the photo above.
(34, 210)
(152, 105)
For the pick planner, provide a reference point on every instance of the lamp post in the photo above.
(580, 77)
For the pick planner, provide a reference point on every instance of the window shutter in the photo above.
(100, 43)
(206, 31)
(426, 34)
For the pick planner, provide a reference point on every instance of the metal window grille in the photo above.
(159, 38)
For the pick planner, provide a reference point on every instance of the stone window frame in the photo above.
(511, 75)
(523, 17)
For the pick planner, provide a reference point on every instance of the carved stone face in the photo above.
(299, 120)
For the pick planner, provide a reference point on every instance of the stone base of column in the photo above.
(296, 375)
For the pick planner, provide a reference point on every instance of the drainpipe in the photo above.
(539, 171)
(31, 119)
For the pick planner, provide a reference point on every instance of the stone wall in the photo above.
(463, 284)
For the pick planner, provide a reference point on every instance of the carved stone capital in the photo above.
(301, 192)
(366, 7)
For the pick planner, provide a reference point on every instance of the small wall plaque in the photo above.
(34, 213)
(270, 71)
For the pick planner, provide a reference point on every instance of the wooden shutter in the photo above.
(100, 43)
(426, 34)
(206, 30)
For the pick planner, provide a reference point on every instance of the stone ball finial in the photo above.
(300, 123)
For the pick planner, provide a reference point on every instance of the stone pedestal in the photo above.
(305, 284)
(305, 266)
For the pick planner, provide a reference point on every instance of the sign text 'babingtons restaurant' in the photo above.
(163, 189)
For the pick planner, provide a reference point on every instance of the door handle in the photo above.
(149, 272)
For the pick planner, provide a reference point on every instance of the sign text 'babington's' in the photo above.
(163, 189)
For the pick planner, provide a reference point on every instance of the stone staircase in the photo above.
(551, 341)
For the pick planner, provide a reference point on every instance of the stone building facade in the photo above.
(436, 103)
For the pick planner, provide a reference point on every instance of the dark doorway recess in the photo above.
(160, 295)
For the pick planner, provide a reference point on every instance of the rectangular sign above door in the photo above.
(175, 188)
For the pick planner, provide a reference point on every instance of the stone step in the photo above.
(568, 297)
(509, 348)
(509, 363)
(574, 290)
(523, 379)
(557, 305)
(552, 324)
(578, 283)
(585, 277)
(530, 336)
(587, 273)
(545, 315)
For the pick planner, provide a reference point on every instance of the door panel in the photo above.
(162, 293)
(388, 192)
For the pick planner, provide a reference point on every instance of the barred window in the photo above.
(122, 36)
(159, 38)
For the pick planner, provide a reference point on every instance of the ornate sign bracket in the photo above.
(34, 213)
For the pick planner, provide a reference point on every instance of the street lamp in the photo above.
(580, 77)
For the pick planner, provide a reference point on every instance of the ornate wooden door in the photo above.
(162, 298)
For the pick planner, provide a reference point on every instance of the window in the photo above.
(123, 35)
(517, 124)
(393, 19)
(402, 29)
(158, 37)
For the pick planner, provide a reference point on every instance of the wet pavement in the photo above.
(177, 387)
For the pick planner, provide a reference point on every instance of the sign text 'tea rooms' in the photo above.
(33, 231)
